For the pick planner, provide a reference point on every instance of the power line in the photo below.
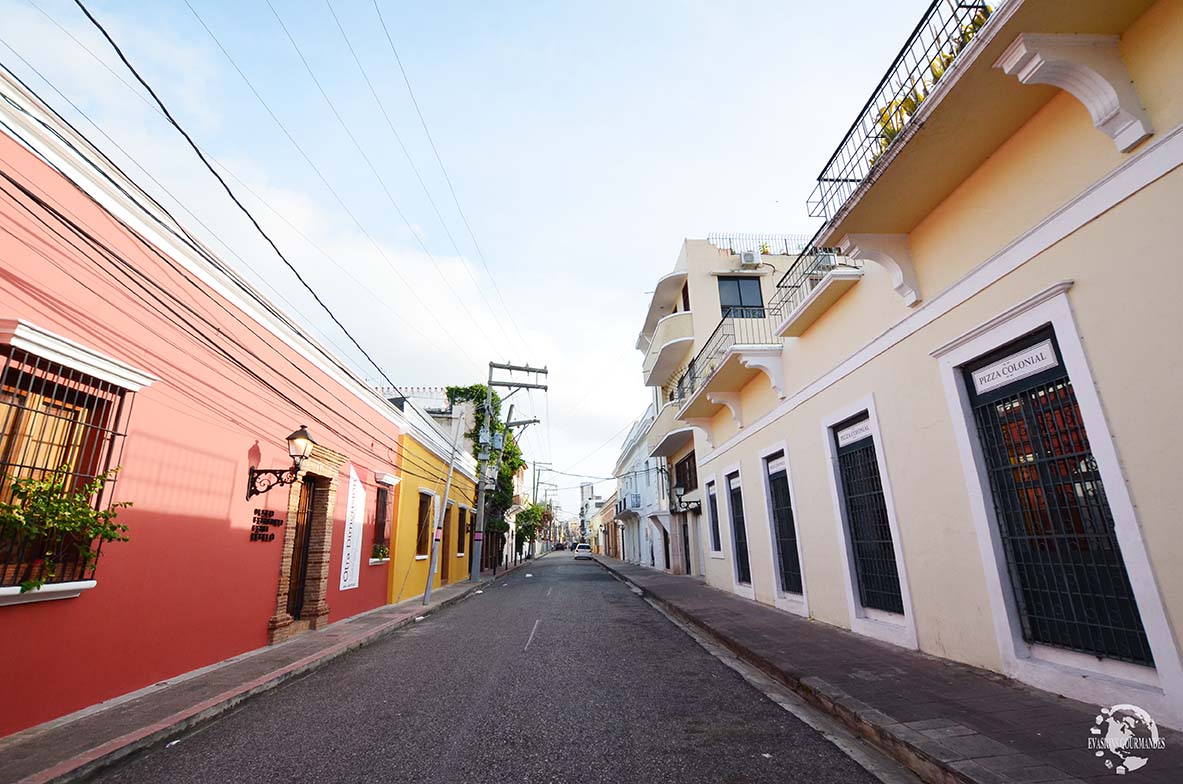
(230, 193)
(447, 178)
(382, 183)
(418, 176)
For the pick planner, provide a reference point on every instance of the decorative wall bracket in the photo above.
(891, 252)
(1091, 69)
(704, 425)
(769, 362)
(731, 400)
(260, 480)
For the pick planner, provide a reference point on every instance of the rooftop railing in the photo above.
(803, 277)
(766, 244)
(931, 52)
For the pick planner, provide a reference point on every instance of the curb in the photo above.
(920, 754)
(81, 766)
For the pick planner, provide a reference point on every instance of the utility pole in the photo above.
(490, 481)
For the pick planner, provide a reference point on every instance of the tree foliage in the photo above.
(512, 459)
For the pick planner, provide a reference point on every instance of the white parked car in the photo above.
(583, 550)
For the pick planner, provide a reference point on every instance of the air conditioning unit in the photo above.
(749, 259)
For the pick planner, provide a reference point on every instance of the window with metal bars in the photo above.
(739, 531)
(866, 516)
(54, 421)
(713, 518)
(1070, 582)
(784, 526)
(461, 530)
(426, 523)
(382, 517)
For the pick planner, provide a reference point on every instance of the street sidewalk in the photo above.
(74, 746)
(946, 721)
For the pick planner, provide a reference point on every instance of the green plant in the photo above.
(50, 519)
(379, 551)
(764, 251)
(512, 459)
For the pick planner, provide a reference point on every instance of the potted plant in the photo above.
(379, 552)
(49, 526)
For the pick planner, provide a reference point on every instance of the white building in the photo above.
(642, 511)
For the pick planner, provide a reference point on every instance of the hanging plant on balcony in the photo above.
(893, 117)
(48, 527)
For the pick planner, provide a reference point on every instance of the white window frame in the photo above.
(1158, 689)
(706, 518)
(796, 603)
(747, 591)
(463, 539)
(435, 501)
(869, 621)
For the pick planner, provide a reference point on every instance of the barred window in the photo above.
(382, 517)
(461, 530)
(423, 535)
(55, 422)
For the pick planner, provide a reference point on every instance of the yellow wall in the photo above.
(408, 575)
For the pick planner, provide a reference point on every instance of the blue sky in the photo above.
(584, 140)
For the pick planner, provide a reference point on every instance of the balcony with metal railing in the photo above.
(814, 283)
(743, 345)
(929, 56)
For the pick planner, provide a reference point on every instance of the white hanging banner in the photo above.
(355, 512)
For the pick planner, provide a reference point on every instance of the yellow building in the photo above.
(426, 446)
(949, 426)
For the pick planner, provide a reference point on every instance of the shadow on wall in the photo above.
(172, 477)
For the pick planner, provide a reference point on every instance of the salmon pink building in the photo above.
(125, 343)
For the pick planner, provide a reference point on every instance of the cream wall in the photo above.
(1126, 265)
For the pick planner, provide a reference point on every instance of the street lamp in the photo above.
(685, 506)
(260, 480)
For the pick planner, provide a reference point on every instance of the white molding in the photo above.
(1091, 69)
(1155, 160)
(890, 251)
(900, 630)
(11, 595)
(1074, 676)
(706, 514)
(731, 401)
(767, 360)
(798, 604)
(703, 425)
(388, 479)
(379, 561)
(747, 590)
(19, 333)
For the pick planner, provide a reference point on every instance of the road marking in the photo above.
(531, 635)
(548, 590)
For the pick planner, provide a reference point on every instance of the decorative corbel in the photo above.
(704, 425)
(1091, 69)
(891, 252)
(769, 362)
(731, 400)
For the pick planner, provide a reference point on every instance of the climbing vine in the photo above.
(512, 459)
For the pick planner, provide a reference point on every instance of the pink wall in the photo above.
(189, 588)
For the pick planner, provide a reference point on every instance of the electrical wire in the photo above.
(231, 194)
(385, 189)
(447, 178)
(418, 176)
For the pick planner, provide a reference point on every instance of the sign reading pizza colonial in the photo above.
(1025, 363)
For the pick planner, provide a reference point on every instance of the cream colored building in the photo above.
(952, 431)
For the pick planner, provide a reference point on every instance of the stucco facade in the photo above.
(1040, 224)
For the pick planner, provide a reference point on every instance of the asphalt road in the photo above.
(563, 676)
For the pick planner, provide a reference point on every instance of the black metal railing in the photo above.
(930, 53)
(765, 244)
(807, 272)
(741, 326)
